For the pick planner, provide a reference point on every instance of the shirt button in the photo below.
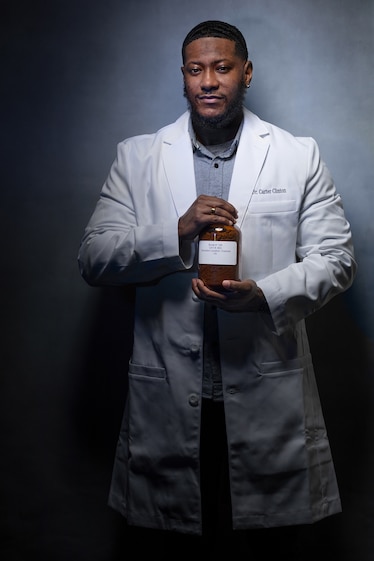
(216, 165)
(193, 400)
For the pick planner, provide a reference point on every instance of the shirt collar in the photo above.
(198, 146)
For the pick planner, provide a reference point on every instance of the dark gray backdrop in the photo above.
(76, 78)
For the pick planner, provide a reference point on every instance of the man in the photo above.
(223, 425)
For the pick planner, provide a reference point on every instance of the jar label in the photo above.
(217, 252)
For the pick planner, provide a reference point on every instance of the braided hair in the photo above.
(219, 29)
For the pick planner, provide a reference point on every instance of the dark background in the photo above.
(76, 78)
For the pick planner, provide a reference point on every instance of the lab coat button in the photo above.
(193, 400)
(232, 390)
(195, 350)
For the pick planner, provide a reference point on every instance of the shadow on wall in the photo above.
(341, 356)
(102, 384)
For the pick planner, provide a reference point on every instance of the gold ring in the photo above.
(213, 210)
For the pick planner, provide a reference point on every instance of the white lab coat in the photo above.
(296, 243)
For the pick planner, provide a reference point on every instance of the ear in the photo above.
(248, 71)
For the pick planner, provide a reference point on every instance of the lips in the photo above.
(209, 98)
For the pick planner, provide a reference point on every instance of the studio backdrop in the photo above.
(77, 77)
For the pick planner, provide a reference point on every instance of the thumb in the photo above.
(239, 286)
(234, 286)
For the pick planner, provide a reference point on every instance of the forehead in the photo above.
(212, 48)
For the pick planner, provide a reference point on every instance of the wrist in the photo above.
(262, 302)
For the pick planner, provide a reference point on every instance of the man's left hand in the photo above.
(236, 296)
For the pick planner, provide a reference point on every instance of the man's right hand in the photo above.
(203, 211)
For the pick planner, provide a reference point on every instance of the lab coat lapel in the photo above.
(252, 150)
(177, 157)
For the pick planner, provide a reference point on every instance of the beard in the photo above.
(233, 111)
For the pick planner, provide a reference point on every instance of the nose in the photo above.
(209, 81)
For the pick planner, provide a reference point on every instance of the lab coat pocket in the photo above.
(146, 371)
(148, 398)
(278, 368)
(269, 233)
(156, 438)
(279, 416)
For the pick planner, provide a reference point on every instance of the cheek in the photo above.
(189, 86)
(189, 91)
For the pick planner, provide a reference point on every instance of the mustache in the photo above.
(233, 109)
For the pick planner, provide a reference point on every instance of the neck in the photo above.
(212, 133)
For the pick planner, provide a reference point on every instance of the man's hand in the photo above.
(238, 296)
(203, 211)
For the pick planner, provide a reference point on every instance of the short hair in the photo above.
(214, 28)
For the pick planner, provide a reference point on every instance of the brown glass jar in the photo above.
(219, 255)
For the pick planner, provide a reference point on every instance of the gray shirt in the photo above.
(213, 170)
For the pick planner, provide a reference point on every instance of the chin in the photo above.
(210, 115)
(217, 120)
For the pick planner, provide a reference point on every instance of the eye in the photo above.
(223, 69)
(194, 71)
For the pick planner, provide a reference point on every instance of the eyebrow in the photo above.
(218, 61)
